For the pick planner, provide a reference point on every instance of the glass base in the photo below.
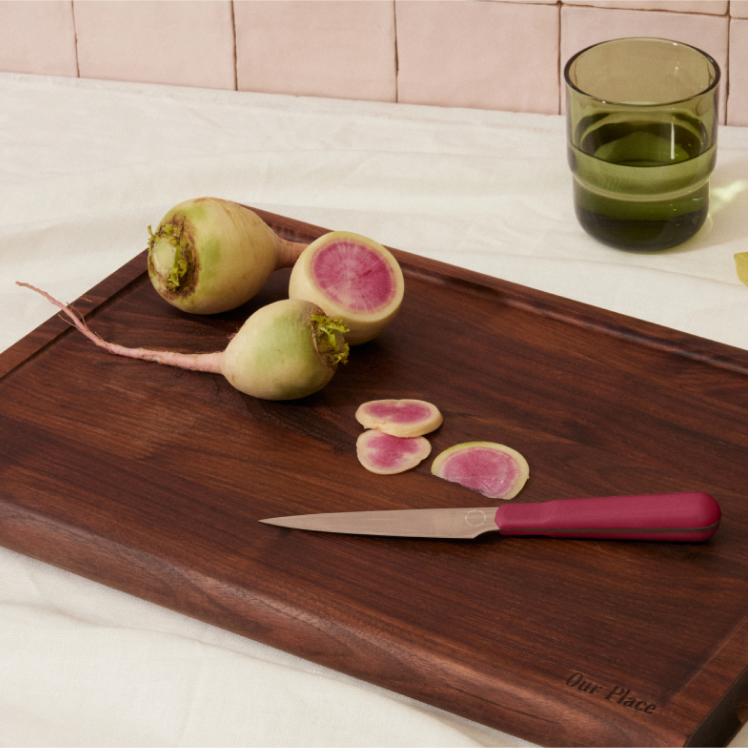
(641, 235)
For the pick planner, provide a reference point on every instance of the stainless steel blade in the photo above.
(465, 523)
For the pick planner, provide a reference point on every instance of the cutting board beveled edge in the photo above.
(523, 708)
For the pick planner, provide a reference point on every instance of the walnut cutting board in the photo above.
(151, 480)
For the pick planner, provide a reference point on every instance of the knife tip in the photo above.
(277, 521)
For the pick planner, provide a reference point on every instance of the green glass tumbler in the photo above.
(642, 140)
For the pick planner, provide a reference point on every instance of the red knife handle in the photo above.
(667, 516)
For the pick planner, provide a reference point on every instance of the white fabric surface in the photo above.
(86, 166)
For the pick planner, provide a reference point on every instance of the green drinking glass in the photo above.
(642, 140)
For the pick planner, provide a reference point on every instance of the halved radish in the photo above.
(494, 470)
(352, 278)
(386, 454)
(399, 417)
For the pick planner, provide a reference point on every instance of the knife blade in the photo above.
(688, 516)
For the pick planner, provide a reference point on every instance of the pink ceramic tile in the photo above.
(37, 37)
(334, 48)
(737, 104)
(176, 42)
(711, 7)
(581, 27)
(483, 55)
(739, 8)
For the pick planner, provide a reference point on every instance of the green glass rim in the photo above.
(709, 58)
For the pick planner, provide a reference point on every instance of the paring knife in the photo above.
(688, 517)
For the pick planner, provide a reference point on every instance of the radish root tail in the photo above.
(73, 314)
(209, 362)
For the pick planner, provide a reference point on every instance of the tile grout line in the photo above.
(650, 10)
(233, 28)
(559, 70)
(75, 40)
(727, 71)
(397, 58)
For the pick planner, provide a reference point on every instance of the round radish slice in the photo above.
(386, 454)
(494, 470)
(399, 417)
(352, 278)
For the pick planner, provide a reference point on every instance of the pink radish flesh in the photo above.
(354, 275)
(386, 454)
(494, 471)
(405, 413)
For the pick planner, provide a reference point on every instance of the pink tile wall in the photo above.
(37, 37)
(737, 107)
(478, 54)
(583, 26)
(488, 54)
(739, 8)
(324, 48)
(176, 42)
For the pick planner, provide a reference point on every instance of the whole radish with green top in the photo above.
(285, 350)
(210, 255)
(353, 278)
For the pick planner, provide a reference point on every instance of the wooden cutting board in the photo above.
(152, 480)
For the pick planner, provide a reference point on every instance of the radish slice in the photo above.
(386, 454)
(352, 278)
(399, 417)
(494, 470)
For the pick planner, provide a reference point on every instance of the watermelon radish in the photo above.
(210, 255)
(285, 350)
(386, 454)
(496, 471)
(352, 278)
(399, 417)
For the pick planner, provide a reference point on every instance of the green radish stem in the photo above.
(210, 255)
(285, 350)
(327, 339)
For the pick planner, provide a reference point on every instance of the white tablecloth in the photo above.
(86, 166)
